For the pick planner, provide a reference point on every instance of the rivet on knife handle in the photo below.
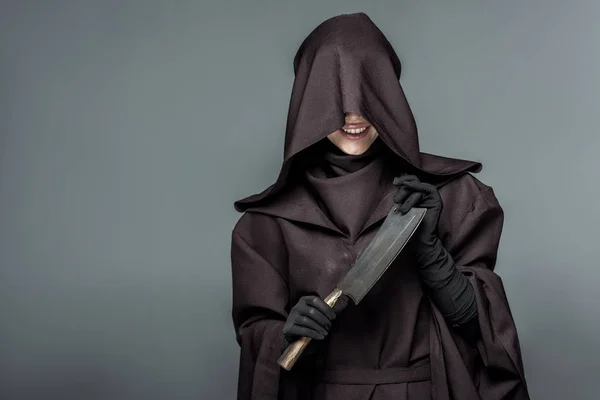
(294, 350)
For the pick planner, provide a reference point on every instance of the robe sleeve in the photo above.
(260, 296)
(473, 243)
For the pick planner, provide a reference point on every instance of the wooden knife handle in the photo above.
(294, 350)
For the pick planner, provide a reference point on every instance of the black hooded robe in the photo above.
(395, 344)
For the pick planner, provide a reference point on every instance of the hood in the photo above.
(346, 64)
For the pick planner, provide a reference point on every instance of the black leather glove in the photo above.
(311, 317)
(450, 289)
(412, 192)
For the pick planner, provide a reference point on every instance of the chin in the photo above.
(354, 150)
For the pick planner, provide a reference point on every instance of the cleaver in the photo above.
(391, 238)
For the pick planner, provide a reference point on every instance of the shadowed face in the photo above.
(355, 137)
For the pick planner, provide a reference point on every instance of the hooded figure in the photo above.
(437, 325)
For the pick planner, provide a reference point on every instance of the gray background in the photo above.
(128, 128)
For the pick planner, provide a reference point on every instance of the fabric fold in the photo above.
(348, 187)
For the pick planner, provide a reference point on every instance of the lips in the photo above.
(355, 132)
(355, 126)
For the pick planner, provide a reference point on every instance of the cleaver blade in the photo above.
(391, 238)
(389, 241)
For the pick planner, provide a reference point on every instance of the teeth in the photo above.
(354, 131)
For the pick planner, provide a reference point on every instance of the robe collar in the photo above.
(296, 204)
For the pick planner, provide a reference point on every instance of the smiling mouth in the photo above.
(355, 133)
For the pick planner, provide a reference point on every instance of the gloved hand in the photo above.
(412, 192)
(311, 317)
(449, 288)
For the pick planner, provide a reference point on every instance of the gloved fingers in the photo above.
(413, 199)
(431, 196)
(307, 322)
(296, 320)
(405, 178)
(402, 194)
(314, 314)
(296, 331)
(341, 304)
(420, 187)
(319, 304)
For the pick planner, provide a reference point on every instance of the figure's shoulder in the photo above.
(465, 192)
(466, 199)
(468, 185)
(262, 237)
(257, 228)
